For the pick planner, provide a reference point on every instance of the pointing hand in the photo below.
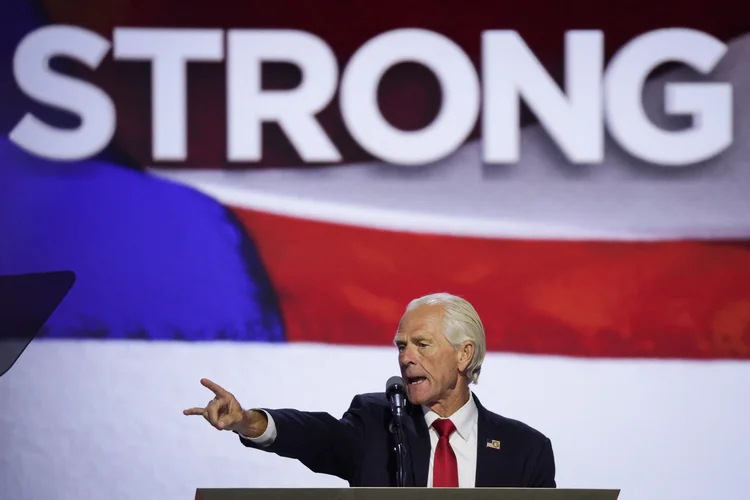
(225, 413)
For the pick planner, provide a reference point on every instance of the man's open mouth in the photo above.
(415, 380)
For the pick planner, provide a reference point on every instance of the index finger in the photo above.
(216, 388)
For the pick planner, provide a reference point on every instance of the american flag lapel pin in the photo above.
(493, 443)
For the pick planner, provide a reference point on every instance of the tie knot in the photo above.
(444, 426)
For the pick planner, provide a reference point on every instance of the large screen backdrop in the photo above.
(255, 197)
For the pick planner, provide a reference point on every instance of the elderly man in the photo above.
(453, 441)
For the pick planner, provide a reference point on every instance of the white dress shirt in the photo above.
(463, 440)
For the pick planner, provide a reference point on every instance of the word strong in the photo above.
(575, 119)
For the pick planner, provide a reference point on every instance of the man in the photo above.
(452, 440)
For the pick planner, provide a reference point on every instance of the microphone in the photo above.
(395, 391)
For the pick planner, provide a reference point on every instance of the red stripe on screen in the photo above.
(349, 285)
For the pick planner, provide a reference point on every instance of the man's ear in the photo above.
(465, 354)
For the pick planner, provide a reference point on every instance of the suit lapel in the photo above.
(493, 468)
(418, 443)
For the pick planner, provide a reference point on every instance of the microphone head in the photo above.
(394, 385)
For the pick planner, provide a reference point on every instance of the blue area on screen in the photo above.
(153, 259)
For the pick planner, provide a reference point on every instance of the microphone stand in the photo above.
(399, 448)
(395, 391)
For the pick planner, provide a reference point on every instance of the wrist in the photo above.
(253, 423)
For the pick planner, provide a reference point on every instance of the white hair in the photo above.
(461, 323)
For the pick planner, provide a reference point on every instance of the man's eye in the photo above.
(422, 344)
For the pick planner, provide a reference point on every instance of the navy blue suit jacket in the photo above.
(358, 447)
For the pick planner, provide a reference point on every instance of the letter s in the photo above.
(35, 78)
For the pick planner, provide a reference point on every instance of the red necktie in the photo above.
(445, 469)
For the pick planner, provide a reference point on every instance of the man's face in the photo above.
(429, 363)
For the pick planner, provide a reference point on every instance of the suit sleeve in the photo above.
(544, 473)
(318, 440)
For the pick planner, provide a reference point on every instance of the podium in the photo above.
(404, 494)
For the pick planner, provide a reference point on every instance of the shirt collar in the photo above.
(463, 419)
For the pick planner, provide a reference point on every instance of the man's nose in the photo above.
(406, 357)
